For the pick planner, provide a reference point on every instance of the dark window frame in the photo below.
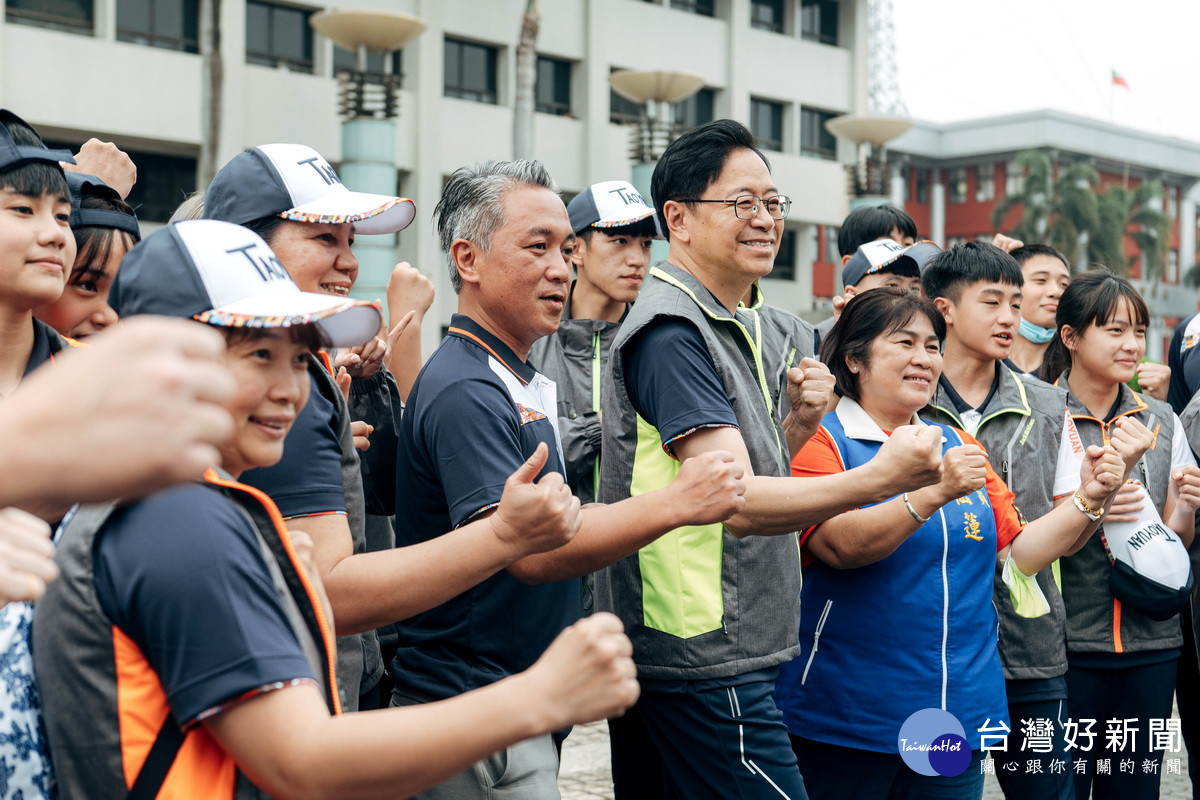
(826, 143)
(784, 268)
(819, 21)
(559, 104)
(705, 8)
(956, 186)
(774, 141)
(152, 38)
(303, 63)
(774, 18)
(37, 16)
(490, 91)
(695, 110)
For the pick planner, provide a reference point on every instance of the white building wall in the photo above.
(149, 98)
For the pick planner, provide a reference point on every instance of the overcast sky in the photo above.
(962, 59)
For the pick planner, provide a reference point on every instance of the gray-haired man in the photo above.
(477, 411)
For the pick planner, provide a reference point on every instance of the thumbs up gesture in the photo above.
(536, 517)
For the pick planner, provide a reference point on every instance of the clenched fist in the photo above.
(586, 674)
(912, 456)
(964, 470)
(710, 488)
(809, 390)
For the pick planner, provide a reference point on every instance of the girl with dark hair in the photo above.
(902, 589)
(1122, 663)
(105, 229)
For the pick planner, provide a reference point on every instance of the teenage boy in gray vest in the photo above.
(1024, 426)
(714, 609)
(613, 229)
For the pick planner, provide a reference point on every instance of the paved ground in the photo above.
(585, 773)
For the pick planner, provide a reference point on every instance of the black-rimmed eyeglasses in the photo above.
(745, 206)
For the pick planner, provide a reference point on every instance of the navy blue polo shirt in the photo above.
(475, 413)
(672, 381)
(308, 478)
(182, 574)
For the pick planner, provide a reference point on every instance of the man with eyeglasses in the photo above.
(714, 610)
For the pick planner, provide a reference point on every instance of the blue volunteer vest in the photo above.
(914, 630)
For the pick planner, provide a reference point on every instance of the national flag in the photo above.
(1119, 80)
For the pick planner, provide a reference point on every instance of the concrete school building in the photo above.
(130, 71)
(951, 176)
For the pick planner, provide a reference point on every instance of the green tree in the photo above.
(1135, 213)
(1060, 211)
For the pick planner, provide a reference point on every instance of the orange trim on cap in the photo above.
(1118, 645)
(314, 598)
(485, 346)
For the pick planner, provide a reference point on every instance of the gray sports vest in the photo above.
(75, 649)
(1097, 622)
(785, 340)
(1021, 431)
(698, 603)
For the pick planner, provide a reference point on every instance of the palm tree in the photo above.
(526, 76)
(1060, 211)
(1138, 215)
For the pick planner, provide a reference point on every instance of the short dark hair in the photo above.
(951, 271)
(638, 230)
(309, 335)
(32, 178)
(1091, 299)
(874, 313)
(1028, 251)
(94, 243)
(691, 163)
(266, 227)
(870, 223)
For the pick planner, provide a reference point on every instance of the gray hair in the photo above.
(189, 209)
(472, 205)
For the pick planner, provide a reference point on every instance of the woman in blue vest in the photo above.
(897, 612)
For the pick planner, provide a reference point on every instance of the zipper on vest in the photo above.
(596, 407)
(816, 639)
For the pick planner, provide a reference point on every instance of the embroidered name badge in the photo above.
(528, 414)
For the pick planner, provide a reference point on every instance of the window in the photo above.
(1014, 179)
(345, 60)
(819, 21)
(815, 141)
(696, 110)
(470, 71)
(922, 190)
(703, 7)
(785, 257)
(767, 15)
(75, 16)
(831, 245)
(766, 120)
(1172, 201)
(552, 94)
(985, 183)
(278, 36)
(173, 24)
(163, 181)
(956, 191)
(621, 110)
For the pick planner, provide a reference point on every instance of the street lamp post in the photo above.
(369, 105)
(868, 177)
(655, 91)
